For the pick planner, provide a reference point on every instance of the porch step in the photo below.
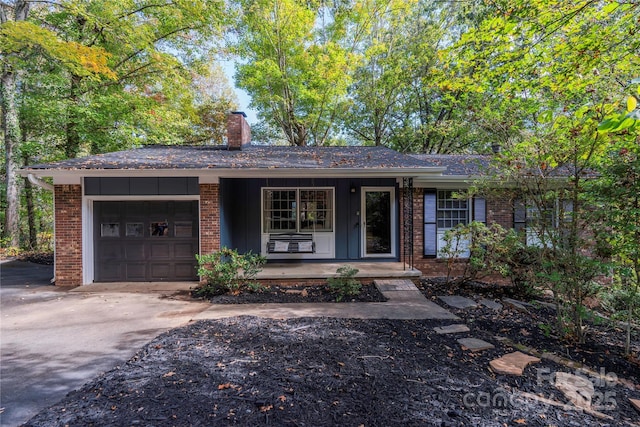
(399, 289)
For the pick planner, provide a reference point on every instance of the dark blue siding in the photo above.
(241, 211)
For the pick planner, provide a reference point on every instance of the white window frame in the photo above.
(324, 239)
(298, 218)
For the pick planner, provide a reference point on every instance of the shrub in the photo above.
(227, 271)
(345, 284)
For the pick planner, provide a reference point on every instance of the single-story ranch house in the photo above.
(142, 214)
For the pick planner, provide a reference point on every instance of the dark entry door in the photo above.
(145, 241)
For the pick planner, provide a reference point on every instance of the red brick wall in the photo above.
(68, 234)
(238, 131)
(209, 218)
(499, 209)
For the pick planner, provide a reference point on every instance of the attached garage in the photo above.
(145, 241)
(144, 229)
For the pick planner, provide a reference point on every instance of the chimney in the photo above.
(238, 131)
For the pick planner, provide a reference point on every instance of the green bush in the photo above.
(345, 284)
(227, 271)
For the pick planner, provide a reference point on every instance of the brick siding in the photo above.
(209, 218)
(499, 210)
(68, 234)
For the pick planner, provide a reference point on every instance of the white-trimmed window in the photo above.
(445, 209)
(534, 220)
(297, 210)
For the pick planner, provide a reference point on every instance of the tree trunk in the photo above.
(11, 141)
(72, 143)
(11, 126)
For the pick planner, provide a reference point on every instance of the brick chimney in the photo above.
(238, 131)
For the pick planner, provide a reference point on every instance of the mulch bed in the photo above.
(326, 372)
(298, 294)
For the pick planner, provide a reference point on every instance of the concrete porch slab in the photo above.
(373, 310)
(322, 271)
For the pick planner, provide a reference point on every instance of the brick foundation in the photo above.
(68, 234)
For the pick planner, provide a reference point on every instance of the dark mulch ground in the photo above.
(326, 372)
(297, 294)
(45, 258)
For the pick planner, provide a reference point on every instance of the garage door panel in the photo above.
(127, 249)
(111, 250)
(184, 250)
(184, 271)
(136, 271)
(159, 271)
(160, 250)
(135, 251)
(110, 272)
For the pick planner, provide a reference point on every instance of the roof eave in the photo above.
(239, 172)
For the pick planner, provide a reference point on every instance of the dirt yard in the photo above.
(327, 372)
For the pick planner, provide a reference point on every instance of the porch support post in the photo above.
(209, 218)
(68, 235)
(407, 222)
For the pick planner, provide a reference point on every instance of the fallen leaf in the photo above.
(520, 421)
(266, 408)
(168, 374)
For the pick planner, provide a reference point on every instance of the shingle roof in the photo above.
(457, 164)
(252, 157)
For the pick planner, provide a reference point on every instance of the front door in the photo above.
(378, 222)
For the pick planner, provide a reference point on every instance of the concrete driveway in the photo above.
(53, 340)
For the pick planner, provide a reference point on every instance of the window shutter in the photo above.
(519, 215)
(480, 209)
(430, 227)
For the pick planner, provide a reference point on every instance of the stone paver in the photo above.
(385, 285)
(475, 344)
(579, 390)
(517, 305)
(457, 301)
(494, 305)
(512, 363)
(451, 329)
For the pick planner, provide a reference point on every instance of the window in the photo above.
(445, 209)
(541, 223)
(452, 210)
(297, 210)
(111, 229)
(135, 229)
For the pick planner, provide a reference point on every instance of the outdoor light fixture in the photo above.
(353, 188)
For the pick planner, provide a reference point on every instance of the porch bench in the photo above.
(291, 243)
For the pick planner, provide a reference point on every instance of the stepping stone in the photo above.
(635, 403)
(395, 285)
(494, 305)
(579, 390)
(457, 301)
(517, 305)
(512, 363)
(474, 344)
(451, 329)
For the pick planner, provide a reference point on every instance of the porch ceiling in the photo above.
(378, 270)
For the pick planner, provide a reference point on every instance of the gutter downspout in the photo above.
(45, 186)
(40, 183)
